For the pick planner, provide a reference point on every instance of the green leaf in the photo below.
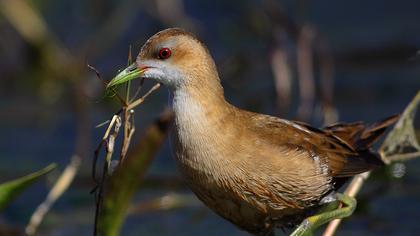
(11, 189)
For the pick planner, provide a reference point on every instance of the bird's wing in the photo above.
(334, 148)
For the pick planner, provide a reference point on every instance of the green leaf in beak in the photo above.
(129, 73)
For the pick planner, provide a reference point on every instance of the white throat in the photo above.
(189, 115)
(198, 133)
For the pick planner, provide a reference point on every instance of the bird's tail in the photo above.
(359, 135)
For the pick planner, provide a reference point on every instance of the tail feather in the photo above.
(371, 134)
(360, 138)
(359, 135)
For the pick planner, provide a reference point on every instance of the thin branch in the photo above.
(352, 190)
(109, 140)
(98, 75)
(168, 201)
(129, 130)
(402, 135)
(124, 181)
(141, 100)
(357, 182)
(403, 156)
(129, 120)
(128, 84)
(99, 147)
(137, 90)
(59, 63)
(59, 188)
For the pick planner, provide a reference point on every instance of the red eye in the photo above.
(164, 53)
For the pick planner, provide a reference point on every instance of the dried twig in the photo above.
(137, 90)
(98, 75)
(59, 63)
(141, 100)
(59, 188)
(109, 141)
(125, 180)
(352, 190)
(129, 127)
(392, 150)
(168, 201)
(403, 157)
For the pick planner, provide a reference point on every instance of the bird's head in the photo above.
(175, 58)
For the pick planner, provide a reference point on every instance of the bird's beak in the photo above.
(129, 73)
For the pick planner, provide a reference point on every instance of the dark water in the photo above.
(376, 74)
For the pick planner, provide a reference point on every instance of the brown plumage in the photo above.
(257, 171)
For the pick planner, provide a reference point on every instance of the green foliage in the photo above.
(11, 189)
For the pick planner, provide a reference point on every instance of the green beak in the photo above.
(129, 73)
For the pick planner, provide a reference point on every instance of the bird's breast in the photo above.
(245, 179)
(205, 158)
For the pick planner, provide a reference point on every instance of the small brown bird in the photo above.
(257, 171)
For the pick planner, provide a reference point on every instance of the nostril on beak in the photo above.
(129, 73)
(131, 68)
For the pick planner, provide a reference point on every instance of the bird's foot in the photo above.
(310, 224)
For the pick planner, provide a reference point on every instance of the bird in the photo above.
(258, 171)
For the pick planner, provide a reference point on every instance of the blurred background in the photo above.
(316, 61)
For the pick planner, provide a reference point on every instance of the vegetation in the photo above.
(51, 102)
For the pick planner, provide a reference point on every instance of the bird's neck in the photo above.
(200, 106)
(202, 97)
(201, 117)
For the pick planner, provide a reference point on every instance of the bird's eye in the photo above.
(164, 53)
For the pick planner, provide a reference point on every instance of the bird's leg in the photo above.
(328, 213)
